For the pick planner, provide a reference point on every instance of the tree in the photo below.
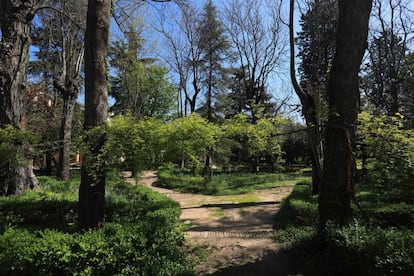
(93, 177)
(140, 87)
(260, 46)
(92, 187)
(255, 143)
(214, 53)
(44, 117)
(192, 138)
(337, 187)
(408, 96)
(59, 38)
(389, 152)
(316, 43)
(184, 55)
(15, 20)
(384, 79)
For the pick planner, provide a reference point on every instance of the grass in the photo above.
(244, 199)
(379, 241)
(225, 183)
(217, 212)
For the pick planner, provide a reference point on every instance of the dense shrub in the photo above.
(367, 250)
(373, 244)
(389, 149)
(141, 237)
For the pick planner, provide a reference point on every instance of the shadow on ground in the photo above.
(271, 264)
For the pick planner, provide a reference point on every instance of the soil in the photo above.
(230, 235)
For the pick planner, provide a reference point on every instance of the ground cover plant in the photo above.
(223, 183)
(141, 235)
(379, 241)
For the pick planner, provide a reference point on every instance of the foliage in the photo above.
(215, 52)
(259, 141)
(140, 144)
(11, 152)
(372, 250)
(372, 244)
(141, 236)
(140, 87)
(295, 145)
(190, 138)
(390, 152)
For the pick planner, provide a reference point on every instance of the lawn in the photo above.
(225, 183)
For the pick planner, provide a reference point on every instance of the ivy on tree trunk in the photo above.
(92, 187)
(15, 21)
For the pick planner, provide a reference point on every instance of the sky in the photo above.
(280, 82)
(154, 42)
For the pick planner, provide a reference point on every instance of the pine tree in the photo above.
(215, 52)
(316, 43)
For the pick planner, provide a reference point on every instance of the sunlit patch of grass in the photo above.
(228, 183)
(245, 199)
(216, 212)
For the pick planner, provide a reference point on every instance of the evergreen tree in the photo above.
(316, 43)
(385, 77)
(215, 52)
(140, 87)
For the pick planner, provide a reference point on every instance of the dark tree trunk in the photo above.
(92, 187)
(343, 96)
(15, 20)
(207, 168)
(65, 135)
(49, 158)
(309, 111)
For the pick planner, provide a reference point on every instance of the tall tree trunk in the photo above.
(314, 139)
(309, 111)
(65, 135)
(15, 20)
(343, 93)
(92, 187)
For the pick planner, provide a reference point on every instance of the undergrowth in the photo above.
(141, 235)
(379, 241)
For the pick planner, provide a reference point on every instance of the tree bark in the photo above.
(309, 111)
(15, 20)
(343, 97)
(92, 187)
(65, 135)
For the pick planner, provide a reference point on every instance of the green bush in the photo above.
(141, 236)
(373, 250)
(379, 242)
(389, 149)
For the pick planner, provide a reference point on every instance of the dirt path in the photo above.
(232, 234)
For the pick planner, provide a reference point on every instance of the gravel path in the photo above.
(233, 233)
